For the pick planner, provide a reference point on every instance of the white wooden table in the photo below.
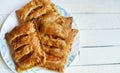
(99, 25)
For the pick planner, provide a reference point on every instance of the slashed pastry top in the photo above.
(57, 50)
(25, 46)
(35, 9)
(55, 17)
(56, 39)
(47, 43)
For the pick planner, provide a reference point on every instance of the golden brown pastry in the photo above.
(56, 40)
(57, 50)
(34, 9)
(55, 17)
(25, 46)
(51, 38)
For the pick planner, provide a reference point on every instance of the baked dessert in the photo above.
(57, 50)
(51, 37)
(52, 17)
(56, 39)
(25, 46)
(35, 9)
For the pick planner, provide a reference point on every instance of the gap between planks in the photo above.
(72, 6)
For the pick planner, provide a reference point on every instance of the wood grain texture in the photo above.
(97, 21)
(7, 6)
(72, 6)
(99, 56)
(99, 38)
(90, 6)
(94, 69)
(99, 25)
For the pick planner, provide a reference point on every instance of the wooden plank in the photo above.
(98, 56)
(90, 6)
(97, 21)
(72, 6)
(7, 7)
(90, 21)
(77, 68)
(99, 38)
(94, 69)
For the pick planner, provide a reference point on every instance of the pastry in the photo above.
(56, 39)
(55, 17)
(57, 50)
(25, 46)
(51, 37)
(34, 9)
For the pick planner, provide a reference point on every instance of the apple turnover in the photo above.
(56, 40)
(46, 43)
(35, 9)
(25, 46)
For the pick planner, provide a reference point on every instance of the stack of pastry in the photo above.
(43, 38)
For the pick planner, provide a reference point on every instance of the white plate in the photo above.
(10, 23)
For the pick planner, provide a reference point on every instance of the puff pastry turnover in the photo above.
(56, 39)
(51, 38)
(57, 50)
(57, 46)
(25, 46)
(35, 9)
